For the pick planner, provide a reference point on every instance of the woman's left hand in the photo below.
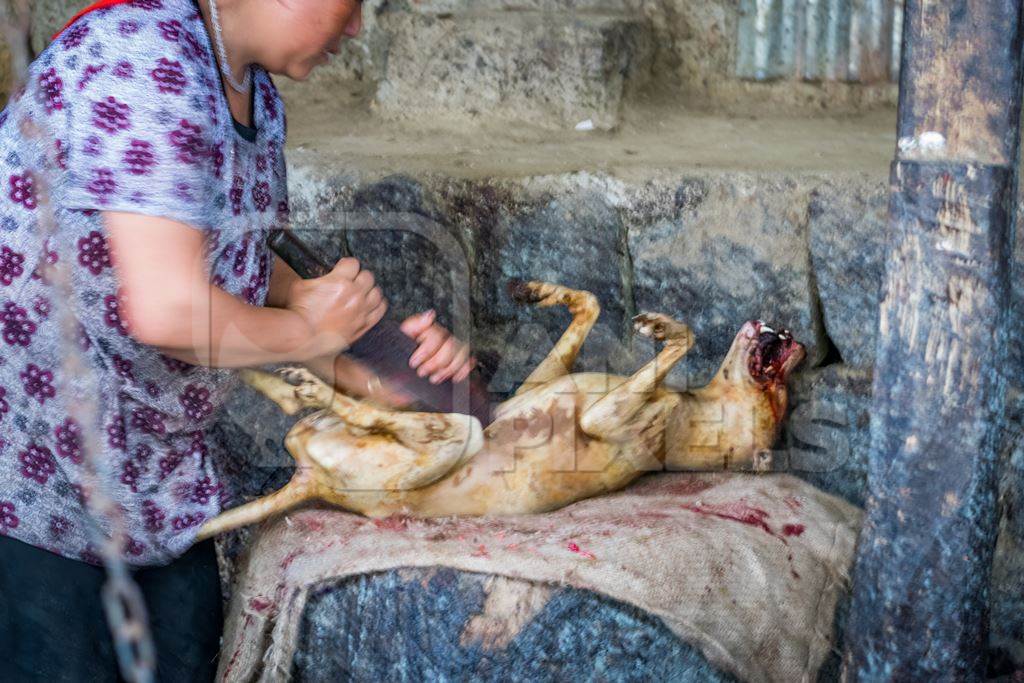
(439, 354)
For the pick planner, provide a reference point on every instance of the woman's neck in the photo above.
(238, 52)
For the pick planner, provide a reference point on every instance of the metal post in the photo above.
(920, 603)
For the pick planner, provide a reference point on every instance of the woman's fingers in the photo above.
(464, 372)
(440, 358)
(430, 342)
(416, 325)
(439, 355)
(461, 356)
(347, 268)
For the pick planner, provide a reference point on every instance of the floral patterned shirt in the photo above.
(132, 118)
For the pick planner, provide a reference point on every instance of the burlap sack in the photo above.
(747, 568)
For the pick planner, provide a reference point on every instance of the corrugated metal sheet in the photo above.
(815, 40)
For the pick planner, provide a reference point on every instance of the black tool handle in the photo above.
(386, 350)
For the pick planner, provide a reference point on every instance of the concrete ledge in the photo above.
(547, 69)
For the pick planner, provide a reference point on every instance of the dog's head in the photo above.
(762, 356)
(772, 354)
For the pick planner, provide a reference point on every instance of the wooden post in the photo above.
(920, 603)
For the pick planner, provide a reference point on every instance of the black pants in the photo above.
(53, 628)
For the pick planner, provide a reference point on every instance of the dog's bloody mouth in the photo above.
(774, 355)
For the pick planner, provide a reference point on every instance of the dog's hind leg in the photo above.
(584, 308)
(611, 414)
(433, 442)
(277, 389)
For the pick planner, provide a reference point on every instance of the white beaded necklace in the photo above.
(225, 68)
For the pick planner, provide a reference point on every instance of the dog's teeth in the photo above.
(765, 328)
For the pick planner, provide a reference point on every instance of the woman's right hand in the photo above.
(337, 308)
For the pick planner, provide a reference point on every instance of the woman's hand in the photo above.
(338, 308)
(439, 354)
(352, 378)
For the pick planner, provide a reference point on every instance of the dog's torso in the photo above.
(534, 441)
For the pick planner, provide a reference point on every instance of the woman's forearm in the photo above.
(169, 303)
(281, 279)
(228, 333)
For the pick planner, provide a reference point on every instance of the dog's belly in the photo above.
(535, 456)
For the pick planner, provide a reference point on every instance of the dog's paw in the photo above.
(296, 376)
(661, 328)
(524, 292)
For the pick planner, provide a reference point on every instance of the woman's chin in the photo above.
(299, 72)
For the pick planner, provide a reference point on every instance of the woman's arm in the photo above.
(170, 304)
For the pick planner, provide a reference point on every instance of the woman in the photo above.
(164, 135)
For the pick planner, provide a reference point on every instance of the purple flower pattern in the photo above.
(102, 185)
(60, 525)
(270, 100)
(111, 115)
(128, 27)
(192, 48)
(37, 463)
(148, 420)
(51, 89)
(41, 305)
(8, 520)
(61, 154)
(93, 146)
(130, 473)
(116, 436)
(139, 158)
(124, 70)
(38, 383)
(170, 30)
(189, 142)
(17, 328)
(146, 128)
(93, 252)
(22, 190)
(237, 189)
(112, 315)
(169, 76)
(261, 196)
(183, 522)
(153, 516)
(10, 265)
(74, 36)
(69, 441)
(124, 368)
(196, 401)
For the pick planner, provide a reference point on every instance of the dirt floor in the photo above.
(655, 136)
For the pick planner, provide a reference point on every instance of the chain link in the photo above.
(123, 602)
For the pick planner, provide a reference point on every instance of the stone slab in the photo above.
(445, 624)
(826, 435)
(532, 68)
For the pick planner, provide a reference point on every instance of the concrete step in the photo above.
(552, 69)
(572, 7)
